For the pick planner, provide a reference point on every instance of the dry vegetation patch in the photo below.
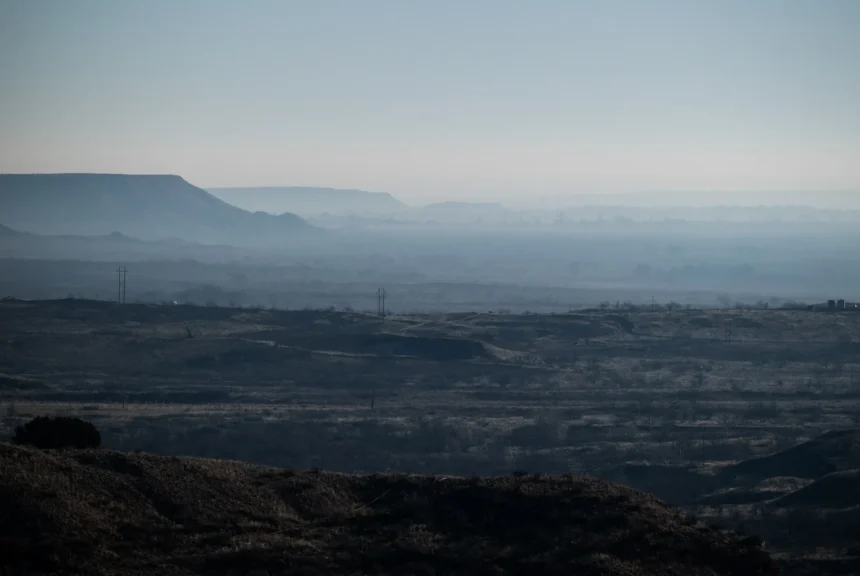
(722, 412)
(103, 512)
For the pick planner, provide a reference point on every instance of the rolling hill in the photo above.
(835, 451)
(309, 202)
(109, 247)
(6, 232)
(760, 479)
(840, 490)
(104, 512)
(148, 207)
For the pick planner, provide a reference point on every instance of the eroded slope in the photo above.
(106, 512)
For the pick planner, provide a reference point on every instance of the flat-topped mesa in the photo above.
(310, 202)
(148, 207)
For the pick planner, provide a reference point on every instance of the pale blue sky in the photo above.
(478, 99)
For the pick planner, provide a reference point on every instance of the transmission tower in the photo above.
(121, 272)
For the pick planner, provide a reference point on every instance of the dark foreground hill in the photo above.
(101, 512)
(149, 207)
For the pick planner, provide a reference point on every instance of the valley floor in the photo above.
(743, 419)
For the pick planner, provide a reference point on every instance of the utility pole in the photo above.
(121, 272)
(380, 304)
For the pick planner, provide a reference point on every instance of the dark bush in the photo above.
(61, 432)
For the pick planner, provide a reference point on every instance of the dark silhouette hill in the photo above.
(149, 207)
(6, 232)
(310, 202)
(838, 490)
(765, 491)
(834, 451)
(754, 480)
(103, 512)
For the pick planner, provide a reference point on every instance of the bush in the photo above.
(46, 432)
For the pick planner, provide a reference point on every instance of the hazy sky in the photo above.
(477, 99)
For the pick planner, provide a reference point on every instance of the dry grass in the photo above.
(102, 512)
(654, 399)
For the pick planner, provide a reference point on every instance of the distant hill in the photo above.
(463, 212)
(6, 232)
(469, 206)
(149, 207)
(753, 480)
(109, 247)
(309, 202)
(837, 490)
(835, 200)
(104, 512)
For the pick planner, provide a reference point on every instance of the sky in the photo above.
(486, 100)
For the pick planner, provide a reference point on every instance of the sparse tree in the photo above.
(47, 433)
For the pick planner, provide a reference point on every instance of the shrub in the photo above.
(46, 432)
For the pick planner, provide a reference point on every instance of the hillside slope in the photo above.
(834, 451)
(110, 248)
(149, 207)
(105, 512)
(308, 202)
(6, 232)
(840, 490)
